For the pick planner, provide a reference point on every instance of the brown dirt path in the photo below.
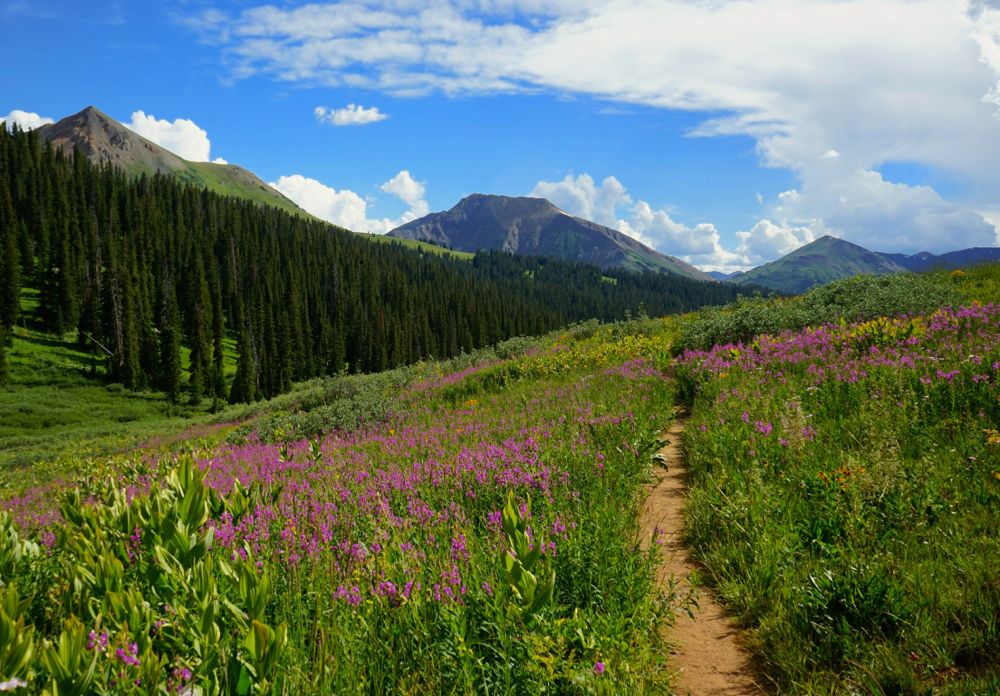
(705, 651)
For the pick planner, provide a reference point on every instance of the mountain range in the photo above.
(520, 225)
(828, 259)
(102, 139)
(534, 226)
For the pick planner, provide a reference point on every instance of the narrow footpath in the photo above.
(705, 651)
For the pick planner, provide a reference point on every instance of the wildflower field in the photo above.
(472, 526)
(480, 537)
(845, 499)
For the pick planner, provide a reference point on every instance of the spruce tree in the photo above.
(199, 317)
(10, 269)
(169, 378)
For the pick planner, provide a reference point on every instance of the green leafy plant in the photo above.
(522, 559)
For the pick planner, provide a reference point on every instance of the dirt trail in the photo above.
(705, 651)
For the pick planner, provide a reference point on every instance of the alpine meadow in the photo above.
(530, 348)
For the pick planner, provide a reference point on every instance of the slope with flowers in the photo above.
(478, 535)
(472, 526)
(845, 497)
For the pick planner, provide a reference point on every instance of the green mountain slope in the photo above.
(102, 139)
(823, 261)
(533, 226)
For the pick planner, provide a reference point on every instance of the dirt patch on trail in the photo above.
(706, 652)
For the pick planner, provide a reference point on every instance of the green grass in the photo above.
(422, 246)
(56, 408)
(979, 283)
(850, 525)
(232, 181)
(54, 411)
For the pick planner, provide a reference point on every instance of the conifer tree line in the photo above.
(139, 268)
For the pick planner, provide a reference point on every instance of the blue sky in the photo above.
(726, 134)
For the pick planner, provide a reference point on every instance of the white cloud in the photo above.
(347, 209)
(767, 240)
(611, 205)
(795, 74)
(861, 207)
(350, 115)
(828, 90)
(992, 216)
(25, 120)
(220, 160)
(864, 208)
(582, 197)
(181, 136)
(410, 191)
(344, 208)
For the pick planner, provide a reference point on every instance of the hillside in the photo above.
(847, 508)
(102, 139)
(533, 226)
(828, 259)
(817, 263)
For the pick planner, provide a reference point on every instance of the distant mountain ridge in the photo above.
(828, 259)
(533, 226)
(102, 139)
(925, 260)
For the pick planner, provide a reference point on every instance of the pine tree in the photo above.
(10, 269)
(244, 388)
(199, 316)
(169, 378)
(218, 347)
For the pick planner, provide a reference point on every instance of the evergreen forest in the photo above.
(138, 267)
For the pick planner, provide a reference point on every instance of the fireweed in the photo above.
(845, 499)
(376, 560)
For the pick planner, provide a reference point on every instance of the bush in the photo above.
(853, 299)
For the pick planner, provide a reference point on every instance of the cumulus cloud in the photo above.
(410, 191)
(582, 197)
(25, 120)
(181, 136)
(350, 115)
(348, 209)
(344, 208)
(610, 204)
(860, 206)
(863, 207)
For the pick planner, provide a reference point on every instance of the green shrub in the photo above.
(852, 299)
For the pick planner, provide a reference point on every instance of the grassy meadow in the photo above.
(57, 409)
(471, 526)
